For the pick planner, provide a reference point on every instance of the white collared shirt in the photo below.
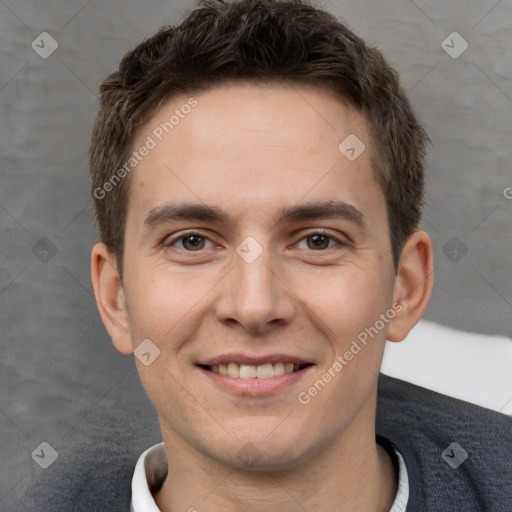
(151, 467)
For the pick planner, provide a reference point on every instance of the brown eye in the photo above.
(193, 242)
(189, 242)
(318, 241)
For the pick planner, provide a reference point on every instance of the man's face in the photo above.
(271, 281)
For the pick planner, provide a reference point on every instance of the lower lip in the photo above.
(256, 387)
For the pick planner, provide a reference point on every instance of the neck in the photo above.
(352, 473)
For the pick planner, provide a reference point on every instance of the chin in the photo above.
(264, 455)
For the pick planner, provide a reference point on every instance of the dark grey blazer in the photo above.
(473, 475)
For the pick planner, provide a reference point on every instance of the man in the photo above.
(257, 174)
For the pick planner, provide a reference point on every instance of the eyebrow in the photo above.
(199, 211)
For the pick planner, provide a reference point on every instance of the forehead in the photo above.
(247, 144)
(233, 110)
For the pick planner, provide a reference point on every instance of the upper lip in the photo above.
(253, 359)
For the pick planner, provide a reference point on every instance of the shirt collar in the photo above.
(151, 470)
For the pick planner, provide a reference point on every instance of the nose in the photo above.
(255, 295)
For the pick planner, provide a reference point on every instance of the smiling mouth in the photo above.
(260, 371)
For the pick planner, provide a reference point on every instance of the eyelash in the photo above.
(182, 236)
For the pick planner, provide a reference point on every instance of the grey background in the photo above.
(61, 380)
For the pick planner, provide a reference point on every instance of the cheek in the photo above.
(344, 300)
(162, 301)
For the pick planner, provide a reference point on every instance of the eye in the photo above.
(190, 242)
(317, 240)
(320, 240)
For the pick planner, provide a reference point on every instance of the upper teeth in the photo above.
(249, 371)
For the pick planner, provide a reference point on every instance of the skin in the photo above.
(253, 149)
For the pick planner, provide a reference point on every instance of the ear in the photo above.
(413, 285)
(110, 298)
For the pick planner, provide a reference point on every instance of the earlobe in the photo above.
(110, 298)
(413, 284)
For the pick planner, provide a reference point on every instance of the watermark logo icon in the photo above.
(44, 250)
(454, 249)
(147, 352)
(249, 249)
(44, 45)
(454, 45)
(352, 147)
(45, 455)
(454, 455)
(249, 454)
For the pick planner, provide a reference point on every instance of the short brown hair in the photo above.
(258, 40)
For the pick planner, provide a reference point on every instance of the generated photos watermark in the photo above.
(157, 135)
(305, 397)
